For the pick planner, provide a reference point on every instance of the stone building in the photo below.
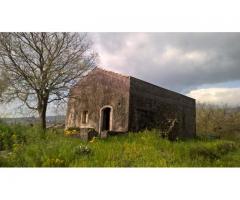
(108, 101)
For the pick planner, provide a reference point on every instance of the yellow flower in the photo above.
(71, 132)
(91, 141)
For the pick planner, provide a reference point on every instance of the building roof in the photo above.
(111, 72)
(127, 76)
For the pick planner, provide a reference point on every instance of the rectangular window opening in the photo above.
(85, 117)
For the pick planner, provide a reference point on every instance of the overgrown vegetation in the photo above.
(219, 121)
(145, 149)
(22, 146)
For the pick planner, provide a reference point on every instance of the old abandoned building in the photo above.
(108, 101)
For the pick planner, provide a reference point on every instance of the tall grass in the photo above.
(144, 149)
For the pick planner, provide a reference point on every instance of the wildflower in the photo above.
(71, 132)
(93, 140)
(82, 150)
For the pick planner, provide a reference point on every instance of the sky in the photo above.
(204, 66)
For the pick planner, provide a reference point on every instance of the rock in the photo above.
(104, 134)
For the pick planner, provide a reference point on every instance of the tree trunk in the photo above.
(42, 115)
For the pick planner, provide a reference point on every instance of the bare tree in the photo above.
(1, 87)
(41, 67)
(3, 84)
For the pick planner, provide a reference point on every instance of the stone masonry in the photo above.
(108, 101)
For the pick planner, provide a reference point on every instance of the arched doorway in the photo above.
(105, 119)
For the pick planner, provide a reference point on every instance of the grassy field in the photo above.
(27, 147)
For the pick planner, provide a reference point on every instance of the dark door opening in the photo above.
(106, 119)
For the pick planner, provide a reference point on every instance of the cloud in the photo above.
(201, 65)
(178, 61)
(229, 96)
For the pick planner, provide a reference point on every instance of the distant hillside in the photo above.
(59, 119)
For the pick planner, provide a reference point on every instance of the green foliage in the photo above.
(82, 150)
(213, 151)
(221, 121)
(143, 149)
(9, 136)
(54, 162)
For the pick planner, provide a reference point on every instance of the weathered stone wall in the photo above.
(152, 106)
(135, 104)
(99, 88)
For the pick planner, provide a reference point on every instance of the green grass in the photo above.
(31, 148)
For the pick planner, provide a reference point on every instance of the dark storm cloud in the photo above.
(179, 61)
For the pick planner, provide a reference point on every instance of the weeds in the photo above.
(82, 150)
(10, 136)
(26, 147)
